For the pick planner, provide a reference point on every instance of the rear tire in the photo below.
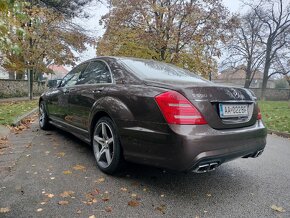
(43, 117)
(107, 146)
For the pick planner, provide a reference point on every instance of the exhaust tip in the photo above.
(258, 153)
(204, 168)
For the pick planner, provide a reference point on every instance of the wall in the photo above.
(241, 82)
(19, 88)
(273, 94)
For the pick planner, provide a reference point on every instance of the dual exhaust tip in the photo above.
(211, 166)
(204, 168)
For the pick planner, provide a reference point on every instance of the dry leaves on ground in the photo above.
(67, 172)
(108, 209)
(67, 194)
(61, 154)
(79, 167)
(133, 203)
(63, 202)
(90, 197)
(105, 199)
(25, 124)
(49, 195)
(100, 180)
(278, 209)
(161, 208)
(4, 209)
(124, 189)
(3, 142)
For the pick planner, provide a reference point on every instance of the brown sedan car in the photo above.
(154, 113)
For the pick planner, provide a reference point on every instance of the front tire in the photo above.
(107, 146)
(43, 117)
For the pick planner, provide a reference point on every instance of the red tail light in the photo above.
(259, 117)
(176, 109)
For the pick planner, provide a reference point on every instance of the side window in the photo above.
(96, 72)
(72, 77)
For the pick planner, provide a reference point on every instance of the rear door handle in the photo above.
(97, 90)
(69, 90)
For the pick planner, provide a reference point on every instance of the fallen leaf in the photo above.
(61, 154)
(63, 202)
(67, 194)
(105, 199)
(4, 210)
(100, 180)
(278, 209)
(50, 195)
(79, 167)
(108, 209)
(93, 216)
(133, 195)
(124, 189)
(96, 192)
(133, 203)
(79, 212)
(39, 210)
(66, 172)
(161, 208)
(42, 203)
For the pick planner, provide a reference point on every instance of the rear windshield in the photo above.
(154, 70)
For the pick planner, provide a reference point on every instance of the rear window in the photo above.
(154, 70)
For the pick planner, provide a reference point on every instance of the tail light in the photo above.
(259, 116)
(176, 109)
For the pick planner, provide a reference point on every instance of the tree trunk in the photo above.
(248, 74)
(30, 83)
(265, 78)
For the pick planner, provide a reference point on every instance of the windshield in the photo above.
(154, 70)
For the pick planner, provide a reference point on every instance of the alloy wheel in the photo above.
(103, 144)
(41, 115)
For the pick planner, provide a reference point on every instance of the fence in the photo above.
(19, 88)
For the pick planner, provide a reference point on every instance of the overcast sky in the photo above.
(97, 10)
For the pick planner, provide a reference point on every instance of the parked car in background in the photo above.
(154, 113)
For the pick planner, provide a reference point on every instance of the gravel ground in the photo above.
(55, 176)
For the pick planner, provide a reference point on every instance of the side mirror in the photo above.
(53, 83)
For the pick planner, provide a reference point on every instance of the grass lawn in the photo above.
(9, 111)
(276, 115)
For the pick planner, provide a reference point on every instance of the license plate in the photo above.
(233, 110)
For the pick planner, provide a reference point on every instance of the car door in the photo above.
(58, 101)
(89, 90)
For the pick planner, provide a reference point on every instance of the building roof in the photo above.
(237, 73)
(59, 71)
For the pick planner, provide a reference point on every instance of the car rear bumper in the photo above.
(184, 147)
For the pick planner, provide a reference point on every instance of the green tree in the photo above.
(182, 32)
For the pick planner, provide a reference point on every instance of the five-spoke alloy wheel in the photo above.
(106, 146)
(43, 117)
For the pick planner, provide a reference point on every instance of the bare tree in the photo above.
(245, 48)
(275, 34)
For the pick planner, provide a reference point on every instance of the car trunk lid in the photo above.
(210, 98)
